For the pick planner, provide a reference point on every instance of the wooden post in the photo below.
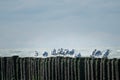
(2, 68)
(75, 69)
(92, 66)
(97, 69)
(62, 69)
(105, 77)
(101, 69)
(117, 69)
(78, 69)
(53, 69)
(113, 69)
(109, 70)
(82, 69)
(68, 66)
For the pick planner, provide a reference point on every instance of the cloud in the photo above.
(25, 23)
(16, 5)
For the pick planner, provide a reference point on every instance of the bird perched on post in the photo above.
(54, 52)
(66, 51)
(36, 53)
(77, 55)
(106, 53)
(62, 51)
(45, 54)
(71, 52)
(93, 53)
(96, 53)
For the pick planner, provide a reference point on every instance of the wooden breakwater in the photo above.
(58, 68)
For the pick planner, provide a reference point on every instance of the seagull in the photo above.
(45, 54)
(36, 53)
(98, 53)
(54, 52)
(62, 51)
(93, 53)
(106, 53)
(58, 51)
(66, 51)
(71, 52)
(77, 55)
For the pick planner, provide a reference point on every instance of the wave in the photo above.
(85, 52)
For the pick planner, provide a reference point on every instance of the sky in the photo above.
(59, 23)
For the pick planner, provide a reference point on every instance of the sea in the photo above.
(30, 52)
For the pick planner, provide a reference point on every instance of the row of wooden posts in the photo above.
(58, 68)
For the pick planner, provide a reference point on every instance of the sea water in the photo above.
(30, 52)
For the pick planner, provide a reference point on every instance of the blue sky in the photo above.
(59, 23)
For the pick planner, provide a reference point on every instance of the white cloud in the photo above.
(77, 22)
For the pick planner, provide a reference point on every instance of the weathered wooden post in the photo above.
(113, 69)
(18, 68)
(1, 68)
(89, 69)
(65, 69)
(7, 68)
(4, 68)
(97, 68)
(49, 69)
(15, 66)
(44, 73)
(34, 69)
(101, 69)
(105, 77)
(39, 69)
(21, 68)
(74, 69)
(24, 72)
(109, 72)
(59, 67)
(78, 69)
(62, 69)
(53, 69)
(117, 69)
(42, 69)
(68, 66)
(92, 66)
(82, 68)
(86, 69)
(20, 65)
(31, 68)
